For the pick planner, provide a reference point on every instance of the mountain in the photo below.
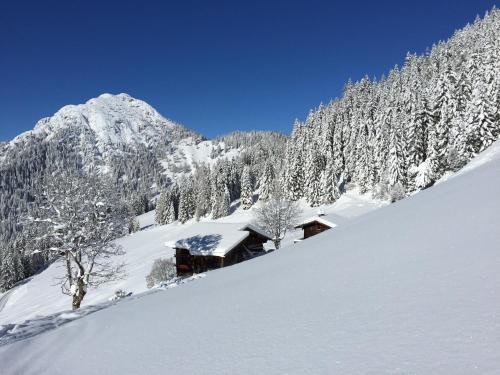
(111, 122)
(114, 133)
(104, 129)
(409, 288)
(127, 141)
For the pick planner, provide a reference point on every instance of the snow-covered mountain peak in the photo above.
(111, 120)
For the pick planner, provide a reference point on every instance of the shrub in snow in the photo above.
(397, 192)
(381, 191)
(162, 270)
(120, 294)
(134, 226)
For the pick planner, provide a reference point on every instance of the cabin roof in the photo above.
(215, 239)
(253, 228)
(330, 220)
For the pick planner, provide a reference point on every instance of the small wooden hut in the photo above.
(317, 224)
(208, 246)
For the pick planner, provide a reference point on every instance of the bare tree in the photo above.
(277, 214)
(81, 216)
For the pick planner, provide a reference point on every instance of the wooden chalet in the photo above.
(208, 246)
(317, 224)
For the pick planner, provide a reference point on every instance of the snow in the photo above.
(42, 296)
(331, 220)
(215, 239)
(188, 154)
(256, 230)
(411, 288)
(114, 119)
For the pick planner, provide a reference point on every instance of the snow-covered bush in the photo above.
(162, 270)
(380, 191)
(397, 192)
(120, 294)
(134, 226)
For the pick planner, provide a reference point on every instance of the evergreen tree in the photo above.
(170, 211)
(187, 204)
(246, 188)
(482, 122)
(266, 180)
(161, 206)
(225, 204)
(11, 270)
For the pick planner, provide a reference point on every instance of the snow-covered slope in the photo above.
(187, 154)
(41, 295)
(411, 288)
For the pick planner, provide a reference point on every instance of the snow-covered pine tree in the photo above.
(482, 121)
(170, 211)
(266, 180)
(314, 166)
(187, 204)
(246, 188)
(161, 206)
(11, 269)
(295, 175)
(445, 105)
(329, 183)
(396, 162)
(203, 191)
(225, 203)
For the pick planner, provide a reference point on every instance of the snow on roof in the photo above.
(257, 230)
(213, 238)
(330, 220)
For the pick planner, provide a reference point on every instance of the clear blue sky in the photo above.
(215, 66)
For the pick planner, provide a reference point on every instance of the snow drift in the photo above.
(410, 288)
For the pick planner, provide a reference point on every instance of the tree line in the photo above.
(403, 132)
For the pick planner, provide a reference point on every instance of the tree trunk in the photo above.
(79, 294)
(277, 243)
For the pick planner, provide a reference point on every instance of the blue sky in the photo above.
(215, 66)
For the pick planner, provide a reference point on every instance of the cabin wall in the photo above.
(187, 264)
(183, 262)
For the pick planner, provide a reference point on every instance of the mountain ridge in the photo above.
(115, 119)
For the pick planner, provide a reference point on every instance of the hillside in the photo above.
(409, 288)
(41, 296)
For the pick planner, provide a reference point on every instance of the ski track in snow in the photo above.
(10, 333)
(5, 297)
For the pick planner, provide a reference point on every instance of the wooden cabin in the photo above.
(317, 224)
(208, 246)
